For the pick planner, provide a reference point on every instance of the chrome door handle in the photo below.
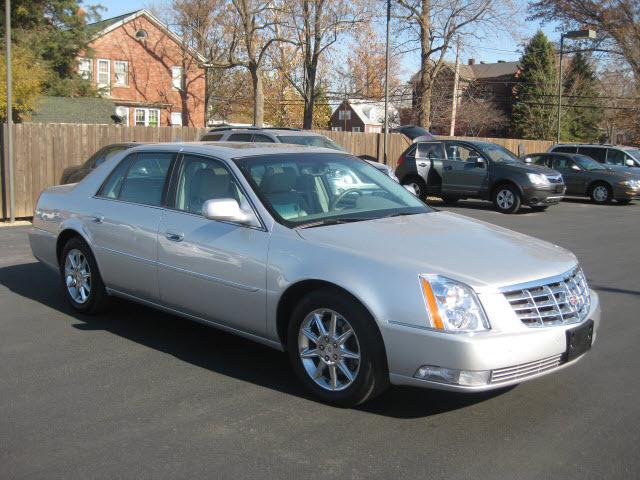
(174, 237)
(97, 218)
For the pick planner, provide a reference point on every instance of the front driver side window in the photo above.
(562, 163)
(615, 157)
(461, 153)
(203, 179)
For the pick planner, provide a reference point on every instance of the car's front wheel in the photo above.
(81, 279)
(418, 185)
(601, 193)
(506, 199)
(335, 349)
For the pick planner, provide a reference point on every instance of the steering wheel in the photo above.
(342, 195)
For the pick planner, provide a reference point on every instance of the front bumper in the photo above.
(539, 197)
(626, 193)
(511, 357)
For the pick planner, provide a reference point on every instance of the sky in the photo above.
(495, 45)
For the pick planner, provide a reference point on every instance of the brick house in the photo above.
(152, 77)
(361, 116)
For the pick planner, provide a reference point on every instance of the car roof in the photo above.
(232, 150)
(597, 145)
(272, 130)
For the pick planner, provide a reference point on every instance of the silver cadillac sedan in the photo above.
(317, 253)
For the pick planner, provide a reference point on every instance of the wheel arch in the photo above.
(292, 295)
(503, 181)
(597, 182)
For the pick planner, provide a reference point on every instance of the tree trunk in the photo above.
(309, 97)
(258, 95)
(425, 85)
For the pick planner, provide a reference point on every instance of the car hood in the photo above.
(475, 252)
(528, 168)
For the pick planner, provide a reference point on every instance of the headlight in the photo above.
(538, 178)
(452, 306)
(631, 183)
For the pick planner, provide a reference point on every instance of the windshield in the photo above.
(588, 163)
(310, 141)
(324, 188)
(635, 153)
(498, 154)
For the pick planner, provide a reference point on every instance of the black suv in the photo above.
(456, 169)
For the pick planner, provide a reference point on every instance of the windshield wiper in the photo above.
(333, 221)
(400, 214)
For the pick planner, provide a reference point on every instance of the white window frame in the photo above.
(86, 74)
(175, 115)
(125, 119)
(344, 115)
(336, 129)
(356, 129)
(117, 83)
(102, 61)
(146, 116)
(177, 77)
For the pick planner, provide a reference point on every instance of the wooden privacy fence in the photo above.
(43, 151)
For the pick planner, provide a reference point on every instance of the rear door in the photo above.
(124, 222)
(461, 171)
(429, 157)
(599, 154)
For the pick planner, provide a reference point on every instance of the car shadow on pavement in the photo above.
(213, 349)
(473, 205)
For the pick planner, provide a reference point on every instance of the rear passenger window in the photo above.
(145, 179)
(240, 137)
(566, 149)
(111, 188)
(597, 153)
(211, 137)
(262, 139)
(429, 150)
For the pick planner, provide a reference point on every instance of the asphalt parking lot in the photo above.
(138, 394)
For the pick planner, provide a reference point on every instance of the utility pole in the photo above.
(456, 80)
(7, 41)
(386, 84)
(560, 87)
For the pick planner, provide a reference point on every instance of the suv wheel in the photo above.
(334, 350)
(601, 193)
(418, 186)
(506, 199)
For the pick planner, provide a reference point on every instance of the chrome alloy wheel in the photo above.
(77, 276)
(416, 187)
(329, 349)
(505, 199)
(600, 193)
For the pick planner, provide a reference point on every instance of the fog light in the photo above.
(467, 378)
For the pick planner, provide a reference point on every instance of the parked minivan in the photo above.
(615, 157)
(456, 169)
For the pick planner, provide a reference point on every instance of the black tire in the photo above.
(507, 206)
(447, 200)
(372, 376)
(624, 201)
(97, 299)
(419, 184)
(601, 193)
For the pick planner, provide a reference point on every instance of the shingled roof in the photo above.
(73, 110)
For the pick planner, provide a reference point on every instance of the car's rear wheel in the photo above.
(81, 279)
(506, 199)
(335, 350)
(601, 193)
(418, 186)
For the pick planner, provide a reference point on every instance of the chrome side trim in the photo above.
(210, 278)
(251, 336)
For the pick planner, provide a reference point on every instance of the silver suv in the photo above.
(615, 157)
(293, 136)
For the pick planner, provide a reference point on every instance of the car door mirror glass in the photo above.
(629, 163)
(528, 160)
(575, 168)
(227, 209)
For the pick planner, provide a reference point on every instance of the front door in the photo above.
(462, 173)
(211, 269)
(574, 177)
(123, 222)
(429, 164)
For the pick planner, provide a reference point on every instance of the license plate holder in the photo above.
(579, 340)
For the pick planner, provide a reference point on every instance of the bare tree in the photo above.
(434, 24)
(314, 26)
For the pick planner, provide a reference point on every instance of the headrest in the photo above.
(284, 181)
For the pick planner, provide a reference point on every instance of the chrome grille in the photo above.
(524, 370)
(558, 301)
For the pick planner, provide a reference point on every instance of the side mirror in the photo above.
(411, 189)
(227, 209)
(528, 160)
(575, 167)
(629, 163)
(480, 163)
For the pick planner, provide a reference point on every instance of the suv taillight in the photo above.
(401, 160)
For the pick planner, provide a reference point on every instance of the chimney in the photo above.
(472, 61)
